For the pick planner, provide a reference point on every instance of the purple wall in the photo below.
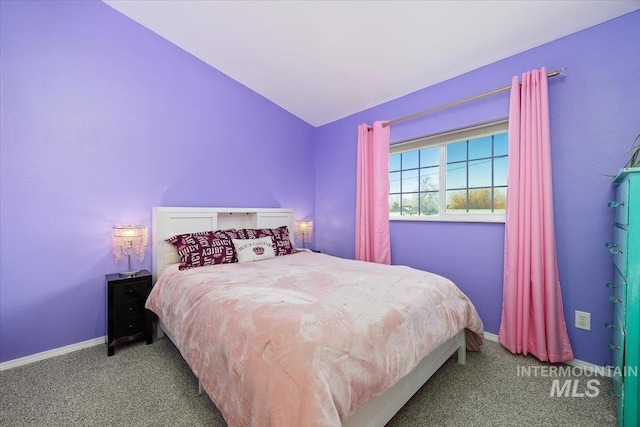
(101, 120)
(594, 119)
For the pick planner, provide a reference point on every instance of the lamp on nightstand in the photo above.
(304, 231)
(127, 240)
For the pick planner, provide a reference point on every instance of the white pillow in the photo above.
(249, 250)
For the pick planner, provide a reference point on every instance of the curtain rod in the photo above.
(561, 72)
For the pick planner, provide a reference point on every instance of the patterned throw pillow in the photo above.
(206, 248)
(250, 250)
(280, 235)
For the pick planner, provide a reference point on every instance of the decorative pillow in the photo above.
(282, 243)
(249, 250)
(206, 248)
(230, 233)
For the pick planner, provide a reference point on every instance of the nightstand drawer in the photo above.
(617, 347)
(128, 309)
(622, 199)
(618, 393)
(129, 326)
(127, 291)
(619, 250)
(620, 302)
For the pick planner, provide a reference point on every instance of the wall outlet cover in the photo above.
(583, 320)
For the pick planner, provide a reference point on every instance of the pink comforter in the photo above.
(306, 339)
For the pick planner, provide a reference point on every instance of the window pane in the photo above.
(480, 173)
(394, 204)
(394, 182)
(429, 203)
(480, 147)
(394, 162)
(430, 156)
(475, 178)
(500, 171)
(457, 201)
(457, 152)
(480, 200)
(500, 199)
(429, 178)
(500, 144)
(410, 160)
(457, 175)
(410, 182)
(410, 204)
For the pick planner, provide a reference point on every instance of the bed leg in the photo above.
(159, 331)
(462, 348)
(199, 388)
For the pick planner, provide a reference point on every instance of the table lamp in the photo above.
(304, 231)
(127, 240)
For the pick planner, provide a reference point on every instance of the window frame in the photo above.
(441, 140)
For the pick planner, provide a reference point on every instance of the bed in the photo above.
(285, 341)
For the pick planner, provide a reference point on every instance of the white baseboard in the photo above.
(575, 362)
(586, 366)
(490, 336)
(51, 353)
(101, 340)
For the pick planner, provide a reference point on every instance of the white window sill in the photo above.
(496, 218)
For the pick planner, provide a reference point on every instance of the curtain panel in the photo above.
(532, 314)
(373, 242)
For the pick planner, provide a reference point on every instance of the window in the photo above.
(457, 176)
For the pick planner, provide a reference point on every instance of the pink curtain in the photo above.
(532, 314)
(373, 242)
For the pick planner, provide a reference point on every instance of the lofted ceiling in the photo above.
(324, 60)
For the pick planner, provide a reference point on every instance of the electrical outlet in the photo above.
(583, 320)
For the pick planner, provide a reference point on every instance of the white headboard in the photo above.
(167, 222)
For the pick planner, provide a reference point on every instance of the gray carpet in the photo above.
(151, 385)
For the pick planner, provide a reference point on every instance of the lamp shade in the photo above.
(128, 240)
(303, 231)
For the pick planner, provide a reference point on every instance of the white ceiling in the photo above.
(324, 60)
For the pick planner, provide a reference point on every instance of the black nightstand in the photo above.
(127, 319)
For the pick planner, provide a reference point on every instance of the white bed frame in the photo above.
(168, 221)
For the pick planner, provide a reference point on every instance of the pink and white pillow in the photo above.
(280, 235)
(250, 250)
